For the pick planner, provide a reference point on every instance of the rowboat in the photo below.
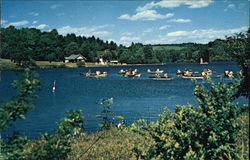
(97, 74)
(161, 78)
(122, 71)
(193, 77)
(132, 75)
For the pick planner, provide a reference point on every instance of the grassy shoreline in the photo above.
(6, 64)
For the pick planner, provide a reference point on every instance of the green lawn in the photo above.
(6, 64)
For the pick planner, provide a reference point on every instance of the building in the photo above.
(113, 62)
(75, 58)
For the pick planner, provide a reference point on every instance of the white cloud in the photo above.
(41, 26)
(146, 15)
(164, 27)
(34, 22)
(55, 6)
(203, 35)
(85, 31)
(19, 23)
(175, 3)
(34, 14)
(180, 20)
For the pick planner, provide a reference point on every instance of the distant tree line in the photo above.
(29, 44)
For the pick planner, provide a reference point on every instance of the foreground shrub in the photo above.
(204, 132)
(109, 144)
(58, 145)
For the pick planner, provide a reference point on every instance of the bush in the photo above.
(80, 64)
(204, 132)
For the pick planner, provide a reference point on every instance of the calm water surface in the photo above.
(134, 98)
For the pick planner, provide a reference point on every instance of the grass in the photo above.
(109, 144)
(6, 64)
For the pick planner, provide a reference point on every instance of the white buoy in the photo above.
(54, 87)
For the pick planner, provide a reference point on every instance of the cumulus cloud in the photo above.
(180, 20)
(164, 27)
(19, 23)
(85, 31)
(204, 35)
(146, 15)
(175, 3)
(41, 26)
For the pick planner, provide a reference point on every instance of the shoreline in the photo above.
(6, 64)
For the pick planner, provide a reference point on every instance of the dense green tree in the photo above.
(239, 48)
(71, 48)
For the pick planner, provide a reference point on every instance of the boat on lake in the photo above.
(97, 74)
(132, 73)
(128, 74)
(158, 71)
(229, 74)
(193, 77)
(158, 77)
(161, 78)
(122, 71)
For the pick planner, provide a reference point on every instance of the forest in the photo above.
(31, 44)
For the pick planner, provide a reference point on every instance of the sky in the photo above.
(147, 22)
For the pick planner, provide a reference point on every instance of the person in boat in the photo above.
(209, 71)
(178, 71)
(97, 72)
(230, 74)
(185, 72)
(226, 73)
(157, 76)
(205, 71)
(165, 75)
(203, 74)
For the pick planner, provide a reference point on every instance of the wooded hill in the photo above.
(26, 44)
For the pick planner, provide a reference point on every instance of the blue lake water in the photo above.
(134, 98)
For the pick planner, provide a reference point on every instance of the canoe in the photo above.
(192, 77)
(161, 78)
(132, 75)
(104, 74)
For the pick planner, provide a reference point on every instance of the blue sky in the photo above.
(147, 22)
